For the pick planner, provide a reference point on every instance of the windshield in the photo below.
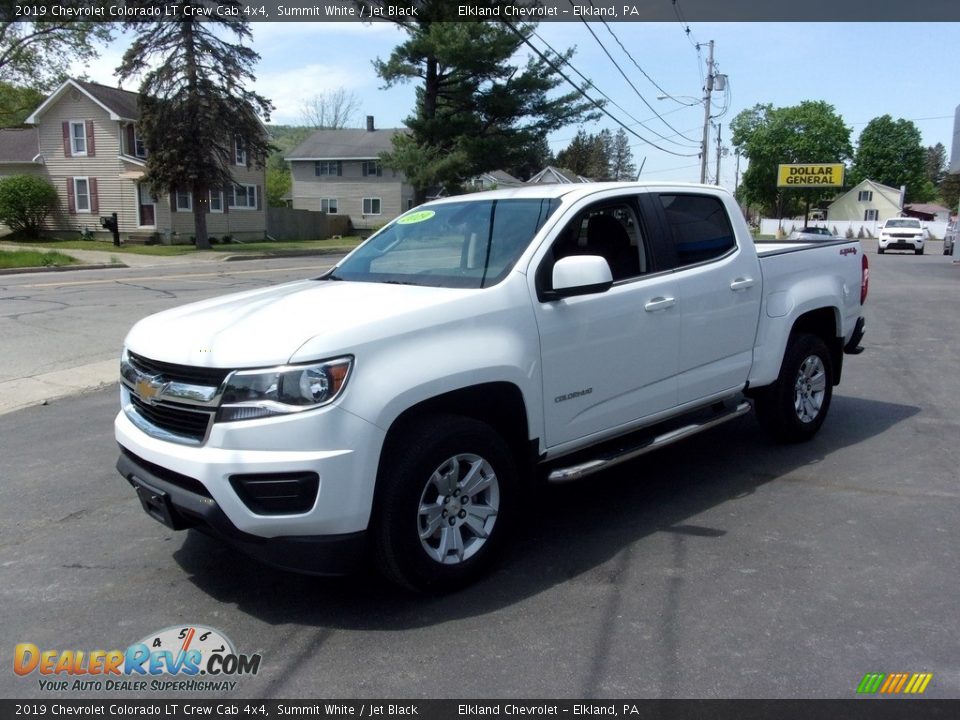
(904, 223)
(469, 244)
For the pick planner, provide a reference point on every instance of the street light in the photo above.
(705, 101)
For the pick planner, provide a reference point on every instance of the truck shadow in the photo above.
(571, 536)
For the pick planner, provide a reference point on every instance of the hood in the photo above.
(266, 326)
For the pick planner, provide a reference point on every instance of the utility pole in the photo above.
(719, 127)
(707, 89)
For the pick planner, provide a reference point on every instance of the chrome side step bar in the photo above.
(611, 459)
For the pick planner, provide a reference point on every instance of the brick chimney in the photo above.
(370, 123)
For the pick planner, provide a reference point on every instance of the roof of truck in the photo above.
(575, 190)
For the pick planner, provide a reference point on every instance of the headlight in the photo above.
(250, 394)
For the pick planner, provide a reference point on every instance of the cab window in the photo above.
(698, 228)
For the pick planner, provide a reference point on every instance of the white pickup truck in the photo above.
(401, 407)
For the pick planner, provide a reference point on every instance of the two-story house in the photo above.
(89, 147)
(339, 172)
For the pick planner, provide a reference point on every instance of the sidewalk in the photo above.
(103, 257)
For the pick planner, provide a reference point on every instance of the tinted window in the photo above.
(699, 227)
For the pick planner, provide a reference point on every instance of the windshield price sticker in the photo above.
(416, 217)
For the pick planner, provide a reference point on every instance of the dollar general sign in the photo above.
(822, 174)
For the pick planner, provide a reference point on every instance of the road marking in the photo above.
(222, 273)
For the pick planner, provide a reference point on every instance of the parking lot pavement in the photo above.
(721, 567)
(62, 332)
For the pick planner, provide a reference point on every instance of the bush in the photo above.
(25, 203)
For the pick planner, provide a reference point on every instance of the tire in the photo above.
(446, 490)
(794, 407)
(919, 252)
(880, 251)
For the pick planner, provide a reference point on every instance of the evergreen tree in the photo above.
(476, 109)
(196, 115)
(622, 166)
(936, 164)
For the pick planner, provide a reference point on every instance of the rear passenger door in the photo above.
(718, 289)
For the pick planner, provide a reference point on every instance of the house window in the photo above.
(865, 196)
(240, 151)
(372, 168)
(371, 206)
(327, 167)
(328, 205)
(184, 201)
(78, 137)
(871, 215)
(216, 201)
(81, 194)
(244, 197)
(139, 149)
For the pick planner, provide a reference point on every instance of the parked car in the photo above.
(812, 233)
(901, 233)
(949, 238)
(403, 406)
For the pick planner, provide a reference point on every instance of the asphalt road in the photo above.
(63, 330)
(722, 567)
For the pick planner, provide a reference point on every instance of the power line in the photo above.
(641, 123)
(580, 90)
(629, 82)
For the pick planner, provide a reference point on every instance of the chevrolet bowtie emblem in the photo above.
(150, 387)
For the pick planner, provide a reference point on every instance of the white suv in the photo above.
(901, 234)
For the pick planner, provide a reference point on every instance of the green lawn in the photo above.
(341, 245)
(34, 258)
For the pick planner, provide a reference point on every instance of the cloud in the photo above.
(290, 87)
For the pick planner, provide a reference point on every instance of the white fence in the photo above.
(859, 228)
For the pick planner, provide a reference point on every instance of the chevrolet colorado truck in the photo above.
(400, 407)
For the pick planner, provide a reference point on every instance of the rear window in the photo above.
(699, 227)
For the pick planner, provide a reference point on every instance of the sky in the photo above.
(906, 70)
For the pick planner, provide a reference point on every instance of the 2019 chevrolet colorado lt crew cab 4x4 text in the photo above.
(401, 406)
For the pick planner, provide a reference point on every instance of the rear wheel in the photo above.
(446, 492)
(795, 406)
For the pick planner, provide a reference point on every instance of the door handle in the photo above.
(659, 303)
(741, 283)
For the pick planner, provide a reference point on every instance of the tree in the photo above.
(532, 159)
(39, 54)
(25, 202)
(476, 109)
(16, 103)
(950, 191)
(196, 115)
(811, 132)
(330, 110)
(621, 158)
(279, 183)
(936, 163)
(589, 155)
(890, 152)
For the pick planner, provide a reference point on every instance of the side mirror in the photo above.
(581, 275)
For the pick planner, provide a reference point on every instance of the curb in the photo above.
(62, 268)
(284, 253)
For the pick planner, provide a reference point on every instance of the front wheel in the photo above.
(919, 251)
(446, 490)
(795, 406)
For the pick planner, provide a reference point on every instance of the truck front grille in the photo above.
(179, 373)
(182, 420)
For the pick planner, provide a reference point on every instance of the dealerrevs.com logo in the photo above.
(178, 658)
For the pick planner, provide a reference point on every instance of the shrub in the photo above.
(25, 202)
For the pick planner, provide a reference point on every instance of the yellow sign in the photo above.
(815, 175)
